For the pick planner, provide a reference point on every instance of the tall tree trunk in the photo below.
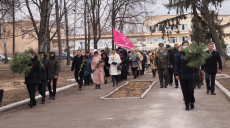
(67, 34)
(213, 32)
(85, 20)
(13, 27)
(0, 28)
(58, 33)
(89, 34)
(48, 40)
(5, 48)
(113, 23)
(42, 36)
(195, 24)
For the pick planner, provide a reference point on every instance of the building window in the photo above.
(172, 28)
(160, 40)
(150, 28)
(183, 38)
(183, 27)
(172, 39)
(150, 40)
(161, 28)
(191, 26)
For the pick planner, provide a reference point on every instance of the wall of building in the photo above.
(152, 40)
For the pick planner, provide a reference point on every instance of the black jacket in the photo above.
(174, 51)
(46, 69)
(171, 55)
(35, 75)
(181, 69)
(123, 60)
(210, 65)
(76, 65)
(54, 66)
(144, 58)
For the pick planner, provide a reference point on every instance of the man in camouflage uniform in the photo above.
(162, 64)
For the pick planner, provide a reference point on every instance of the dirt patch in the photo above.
(132, 89)
(225, 82)
(227, 69)
(15, 90)
(4, 66)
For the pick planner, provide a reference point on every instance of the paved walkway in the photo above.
(161, 108)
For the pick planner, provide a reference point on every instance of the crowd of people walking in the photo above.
(97, 68)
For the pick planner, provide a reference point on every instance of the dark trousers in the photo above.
(122, 76)
(80, 82)
(188, 91)
(42, 89)
(134, 72)
(170, 75)
(154, 72)
(176, 81)
(143, 69)
(207, 78)
(115, 79)
(86, 79)
(54, 87)
(163, 74)
(31, 90)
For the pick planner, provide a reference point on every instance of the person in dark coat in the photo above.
(170, 67)
(106, 67)
(34, 78)
(144, 61)
(123, 62)
(186, 76)
(45, 76)
(174, 52)
(90, 57)
(87, 70)
(54, 71)
(210, 69)
(126, 66)
(77, 61)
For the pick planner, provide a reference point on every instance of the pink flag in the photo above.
(121, 40)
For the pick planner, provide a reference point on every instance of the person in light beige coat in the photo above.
(139, 69)
(152, 58)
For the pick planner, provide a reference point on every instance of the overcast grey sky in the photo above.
(161, 10)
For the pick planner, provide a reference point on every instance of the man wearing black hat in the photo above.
(162, 64)
(170, 67)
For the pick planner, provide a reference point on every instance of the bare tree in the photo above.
(67, 33)
(58, 32)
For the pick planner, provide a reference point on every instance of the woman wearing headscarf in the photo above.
(186, 76)
(98, 70)
(107, 66)
(114, 61)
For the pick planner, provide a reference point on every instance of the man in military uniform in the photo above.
(162, 64)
